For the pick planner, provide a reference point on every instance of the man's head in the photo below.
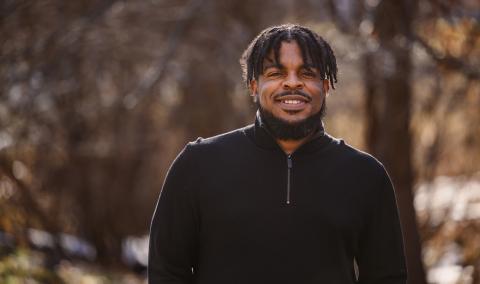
(288, 70)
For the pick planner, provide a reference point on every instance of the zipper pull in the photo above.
(289, 161)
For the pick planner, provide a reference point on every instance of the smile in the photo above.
(293, 98)
(292, 105)
(292, 102)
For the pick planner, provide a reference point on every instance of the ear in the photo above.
(253, 88)
(326, 87)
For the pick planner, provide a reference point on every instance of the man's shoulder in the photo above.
(356, 158)
(224, 141)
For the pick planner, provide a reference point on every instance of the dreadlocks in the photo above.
(315, 50)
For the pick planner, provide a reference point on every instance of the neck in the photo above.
(289, 146)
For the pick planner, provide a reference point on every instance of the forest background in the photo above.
(97, 98)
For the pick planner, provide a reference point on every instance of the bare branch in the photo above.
(448, 61)
(157, 69)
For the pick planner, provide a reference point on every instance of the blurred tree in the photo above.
(84, 159)
(387, 71)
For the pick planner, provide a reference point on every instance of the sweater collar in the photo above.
(261, 136)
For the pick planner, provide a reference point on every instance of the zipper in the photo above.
(289, 172)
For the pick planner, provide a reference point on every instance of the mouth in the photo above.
(292, 102)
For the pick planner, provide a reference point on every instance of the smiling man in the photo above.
(279, 201)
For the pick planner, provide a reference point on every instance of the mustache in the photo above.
(290, 93)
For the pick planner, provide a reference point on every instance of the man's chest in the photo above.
(276, 199)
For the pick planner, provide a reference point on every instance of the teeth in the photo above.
(292, 102)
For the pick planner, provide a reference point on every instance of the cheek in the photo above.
(317, 93)
(267, 88)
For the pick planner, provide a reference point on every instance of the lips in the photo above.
(292, 102)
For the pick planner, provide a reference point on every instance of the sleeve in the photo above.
(381, 257)
(173, 230)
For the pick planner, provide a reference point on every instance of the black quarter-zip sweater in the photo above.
(235, 209)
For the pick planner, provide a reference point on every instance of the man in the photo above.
(279, 201)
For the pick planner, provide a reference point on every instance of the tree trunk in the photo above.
(388, 97)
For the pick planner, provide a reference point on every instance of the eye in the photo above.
(309, 73)
(273, 74)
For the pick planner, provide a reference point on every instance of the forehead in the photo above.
(287, 52)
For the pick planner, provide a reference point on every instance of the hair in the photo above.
(314, 48)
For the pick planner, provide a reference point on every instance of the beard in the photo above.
(284, 130)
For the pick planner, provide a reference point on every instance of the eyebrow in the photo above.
(273, 65)
(309, 66)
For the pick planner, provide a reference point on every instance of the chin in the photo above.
(292, 118)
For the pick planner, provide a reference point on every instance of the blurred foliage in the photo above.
(446, 116)
(20, 267)
(25, 266)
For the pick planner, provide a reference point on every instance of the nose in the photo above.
(292, 82)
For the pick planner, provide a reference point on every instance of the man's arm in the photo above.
(173, 231)
(381, 258)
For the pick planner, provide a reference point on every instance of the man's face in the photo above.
(291, 90)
